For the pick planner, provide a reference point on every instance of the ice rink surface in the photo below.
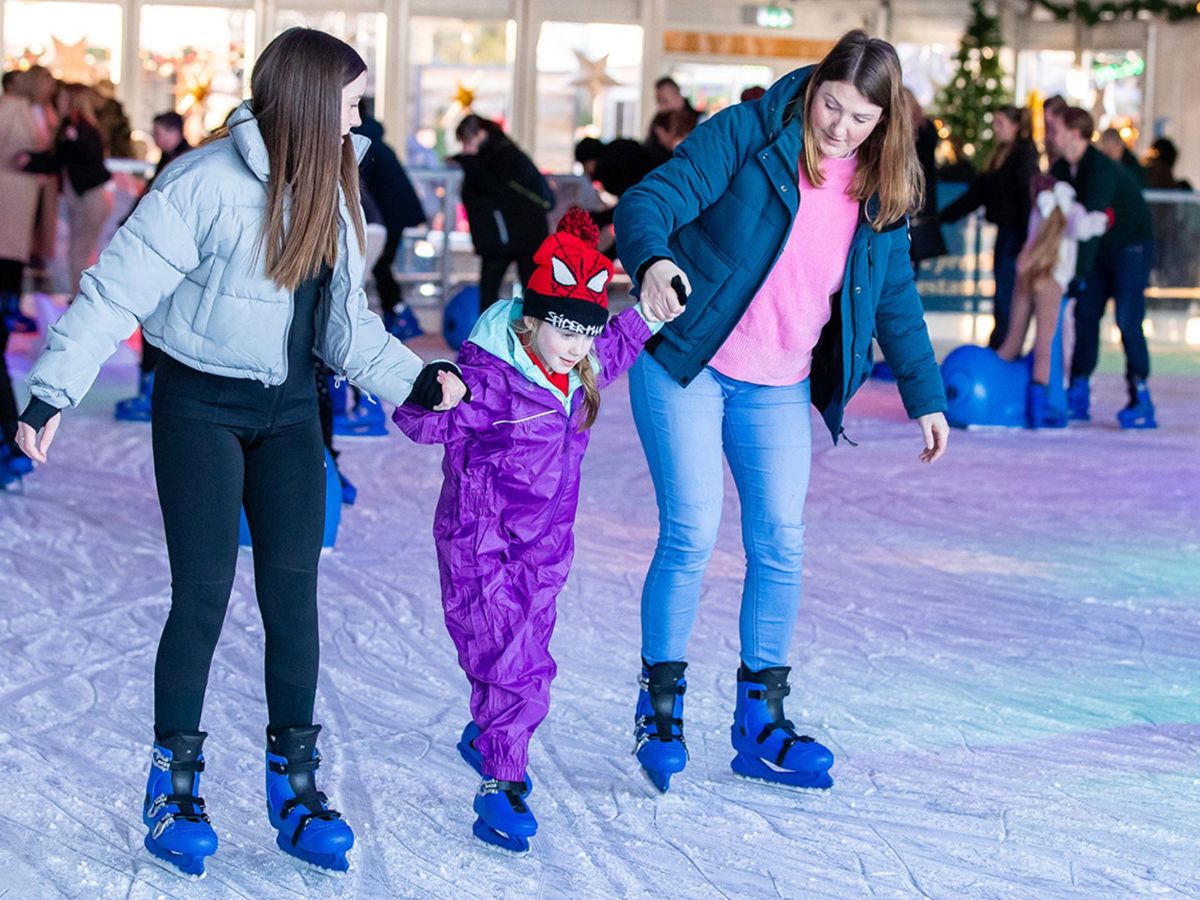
(1003, 650)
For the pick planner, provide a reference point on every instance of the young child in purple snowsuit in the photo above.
(504, 520)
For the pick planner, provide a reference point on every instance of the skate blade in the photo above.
(179, 865)
(332, 864)
(499, 842)
(765, 772)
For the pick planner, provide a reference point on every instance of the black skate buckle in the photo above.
(324, 815)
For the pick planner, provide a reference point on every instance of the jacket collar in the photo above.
(493, 333)
(248, 140)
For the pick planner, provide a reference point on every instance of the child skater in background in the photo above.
(504, 520)
(1045, 267)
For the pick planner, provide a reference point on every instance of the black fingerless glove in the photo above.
(427, 391)
(38, 413)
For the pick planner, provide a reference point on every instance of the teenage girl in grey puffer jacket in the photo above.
(239, 275)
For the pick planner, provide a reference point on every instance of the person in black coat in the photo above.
(923, 227)
(507, 200)
(388, 184)
(1004, 191)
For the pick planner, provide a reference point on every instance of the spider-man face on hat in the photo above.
(569, 287)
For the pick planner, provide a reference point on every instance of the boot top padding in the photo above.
(293, 744)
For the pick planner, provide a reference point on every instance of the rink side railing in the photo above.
(960, 281)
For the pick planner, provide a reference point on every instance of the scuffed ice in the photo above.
(1003, 650)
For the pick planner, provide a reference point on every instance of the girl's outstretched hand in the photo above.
(937, 432)
(453, 391)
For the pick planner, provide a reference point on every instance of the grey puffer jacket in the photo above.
(187, 266)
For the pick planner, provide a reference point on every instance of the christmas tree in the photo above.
(977, 87)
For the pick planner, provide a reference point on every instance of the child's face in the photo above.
(560, 350)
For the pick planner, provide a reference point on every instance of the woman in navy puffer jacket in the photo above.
(785, 219)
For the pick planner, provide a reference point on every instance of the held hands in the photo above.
(438, 387)
(936, 432)
(36, 445)
(453, 391)
(660, 297)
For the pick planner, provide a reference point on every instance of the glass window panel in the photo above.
(364, 31)
(455, 61)
(575, 98)
(75, 41)
(193, 60)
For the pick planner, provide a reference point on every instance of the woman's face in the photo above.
(841, 118)
(560, 351)
(1005, 128)
(351, 94)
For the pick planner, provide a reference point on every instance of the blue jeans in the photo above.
(1122, 275)
(766, 434)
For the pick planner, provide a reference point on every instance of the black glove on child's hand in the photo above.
(427, 390)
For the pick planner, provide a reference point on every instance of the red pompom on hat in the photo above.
(569, 288)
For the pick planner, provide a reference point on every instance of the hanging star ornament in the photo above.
(193, 93)
(464, 96)
(592, 75)
(70, 61)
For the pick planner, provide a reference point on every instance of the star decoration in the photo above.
(464, 96)
(592, 75)
(71, 62)
(193, 92)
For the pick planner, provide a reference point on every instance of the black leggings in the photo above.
(205, 474)
(11, 275)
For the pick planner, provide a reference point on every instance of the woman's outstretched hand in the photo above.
(658, 296)
(453, 391)
(36, 444)
(937, 432)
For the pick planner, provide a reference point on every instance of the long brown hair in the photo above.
(81, 103)
(1043, 255)
(296, 96)
(1020, 117)
(526, 328)
(887, 159)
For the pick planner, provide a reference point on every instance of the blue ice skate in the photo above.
(1041, 413)
(136, 409)
(1079, 399)
(768, 747)
(14, 465)
(505, 821)
(367, 419)
(658, 722)
(308, 829)
(473, 758)
(1140, 411)
(180, 833)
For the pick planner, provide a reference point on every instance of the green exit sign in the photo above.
(771, 16)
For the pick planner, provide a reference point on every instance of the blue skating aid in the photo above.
(179, 832)
(473, 758)
(505, 820)
(766, 743)
(658, 723)
(136, 408)
(367, 419)
(307, 828)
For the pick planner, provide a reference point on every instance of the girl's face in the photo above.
(841, 118)
(560, 351)
(1005, 128)
(351, 94)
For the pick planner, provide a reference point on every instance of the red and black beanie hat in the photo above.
(569, 287)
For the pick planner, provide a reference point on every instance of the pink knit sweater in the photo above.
(773, 342)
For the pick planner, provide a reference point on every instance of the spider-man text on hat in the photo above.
(569, 288)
